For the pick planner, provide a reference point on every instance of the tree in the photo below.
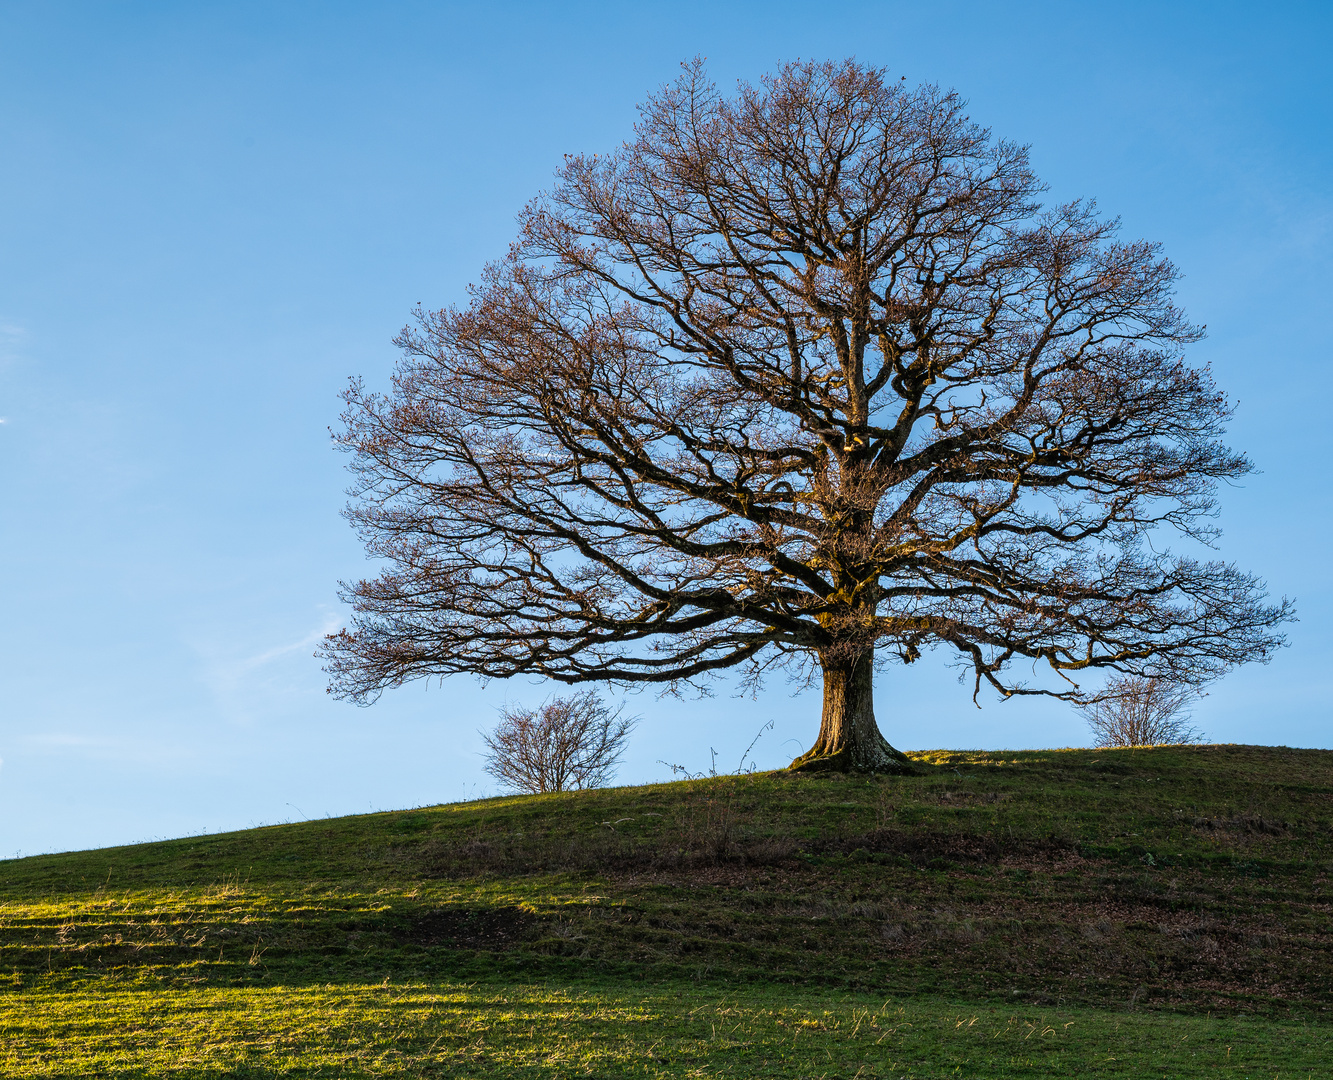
(1142, 712)
(804, 376)
(569, 743)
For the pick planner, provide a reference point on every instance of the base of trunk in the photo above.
(884, 759)
(849, 739)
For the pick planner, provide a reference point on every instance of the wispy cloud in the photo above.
(12, 337)
(329, 625)
(265, 682)
(125, 750)
(60, 738)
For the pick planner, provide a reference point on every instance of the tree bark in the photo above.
(849, 739)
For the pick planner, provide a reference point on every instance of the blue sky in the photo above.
(212, 214)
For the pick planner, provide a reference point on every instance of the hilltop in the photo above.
(1186, 881)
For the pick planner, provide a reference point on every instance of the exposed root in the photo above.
(882, 760)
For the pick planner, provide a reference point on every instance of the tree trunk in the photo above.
(849, 739)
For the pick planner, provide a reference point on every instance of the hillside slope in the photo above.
(1191, 877)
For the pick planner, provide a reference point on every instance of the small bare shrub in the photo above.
(1142, 712)
(714, 823)
(566, 744)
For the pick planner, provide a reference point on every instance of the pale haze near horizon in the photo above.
(212, 215)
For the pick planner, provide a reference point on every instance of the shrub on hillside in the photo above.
(1142, 712)
(567, 744)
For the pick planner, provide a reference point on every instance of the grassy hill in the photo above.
(1054, 913)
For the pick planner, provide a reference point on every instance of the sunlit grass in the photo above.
(481, 1030)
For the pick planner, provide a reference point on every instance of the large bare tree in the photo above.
(805, 375)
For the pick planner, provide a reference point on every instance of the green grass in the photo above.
(461, 1030)
(1054, 913)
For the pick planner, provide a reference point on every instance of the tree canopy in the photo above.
(807, 375)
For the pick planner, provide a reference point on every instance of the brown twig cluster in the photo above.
(567, 744)
(1142, 712)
